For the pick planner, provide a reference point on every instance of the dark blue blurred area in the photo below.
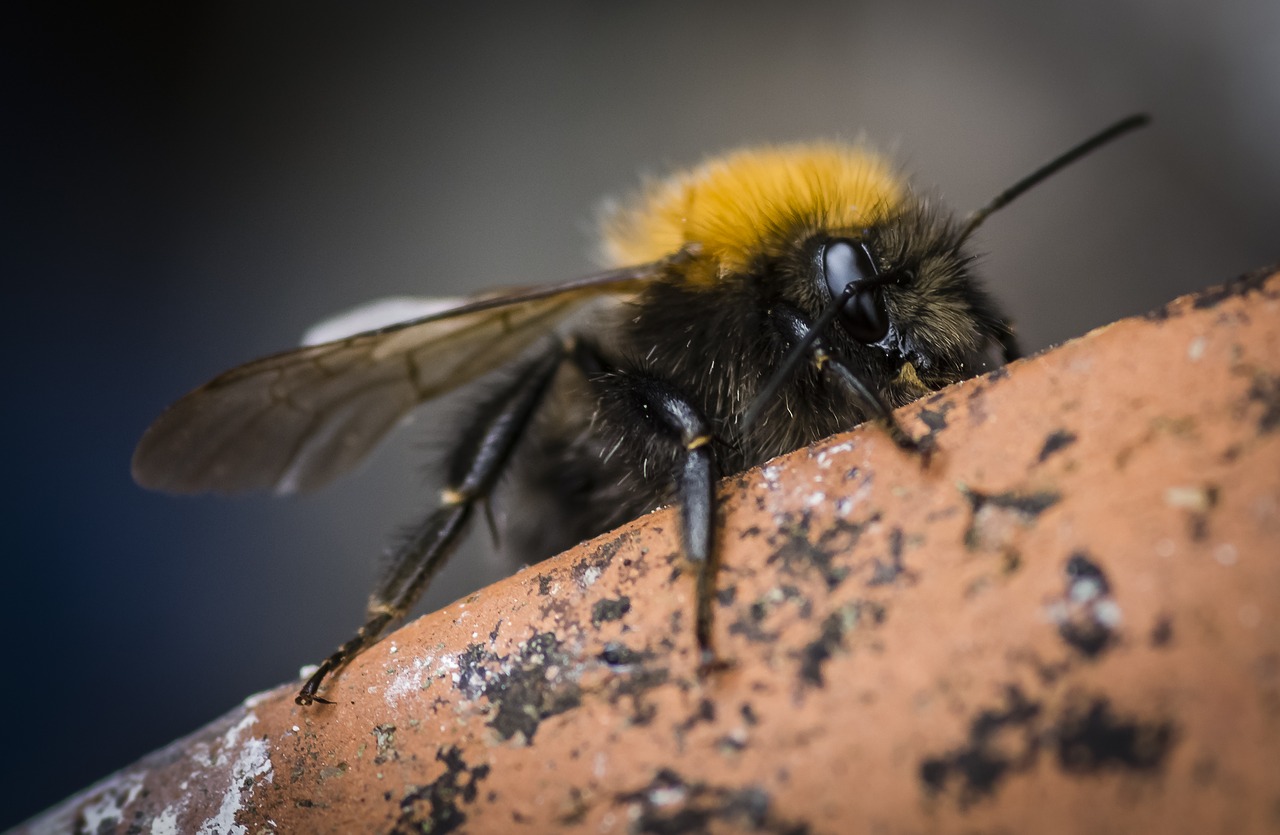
(186, 187)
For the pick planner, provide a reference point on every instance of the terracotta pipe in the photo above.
(1068, 622)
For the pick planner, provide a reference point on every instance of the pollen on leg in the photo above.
(450, 497)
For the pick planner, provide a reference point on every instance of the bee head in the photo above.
(901, 292)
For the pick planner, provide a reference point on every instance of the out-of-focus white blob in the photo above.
(377, 314)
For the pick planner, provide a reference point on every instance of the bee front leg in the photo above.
(795, 328)
(473, 468)
(666, 428)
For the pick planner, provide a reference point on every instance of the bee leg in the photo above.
(668, 424)
(473, 469)
(695, 483)
(794, 328)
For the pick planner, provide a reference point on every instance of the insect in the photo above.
(759, 302)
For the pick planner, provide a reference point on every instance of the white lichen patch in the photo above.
(1107, 613)
(667, 795)
(1196, 498)
(590, 575)
(166, 823)
(243, 763)
(101, 808)
(825, 456)
(226, 766)
(1226, 554)
(102, 804)
(408, 679)
(846, 503)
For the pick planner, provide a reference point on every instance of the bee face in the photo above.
(941, 319)
(905, 296)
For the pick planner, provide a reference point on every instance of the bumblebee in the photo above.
(755, 304)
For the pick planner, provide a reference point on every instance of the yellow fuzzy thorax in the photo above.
(752, 203)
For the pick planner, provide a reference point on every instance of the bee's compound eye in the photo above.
(846, 263)
(865, 317)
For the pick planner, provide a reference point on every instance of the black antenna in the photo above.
(1015, 191)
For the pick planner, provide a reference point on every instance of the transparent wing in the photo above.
(296, 420)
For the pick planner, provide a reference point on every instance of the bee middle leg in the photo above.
(473, 468)
(671, 429)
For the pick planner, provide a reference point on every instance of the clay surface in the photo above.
(1067, 622)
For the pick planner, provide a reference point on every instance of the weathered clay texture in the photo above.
(1066, 623)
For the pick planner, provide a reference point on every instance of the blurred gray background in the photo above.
(187, 187)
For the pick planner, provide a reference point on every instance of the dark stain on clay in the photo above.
(437, 806)
(831, 637)
(1162, 632)
(471, 670)
(935, 419)
(750, 621)
(1214, 296)
(977, 405)
(1240, 286)
(1001, 740)
(1086, 738)
(1090, 738)
(1081, 568)
(577, 806)
(819, 651)
(522, 688)
(599, 559)
(750, 624)
(886, 573)
(634, 675)
(1029, 505)
(610, 609)
(384, 737)
(1265, 391)
(618, 654)
(633, 689)
(1086, 615)
(995, 516)
(705, 714)
(798, 554)
(1056, 441)
(670, 805)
